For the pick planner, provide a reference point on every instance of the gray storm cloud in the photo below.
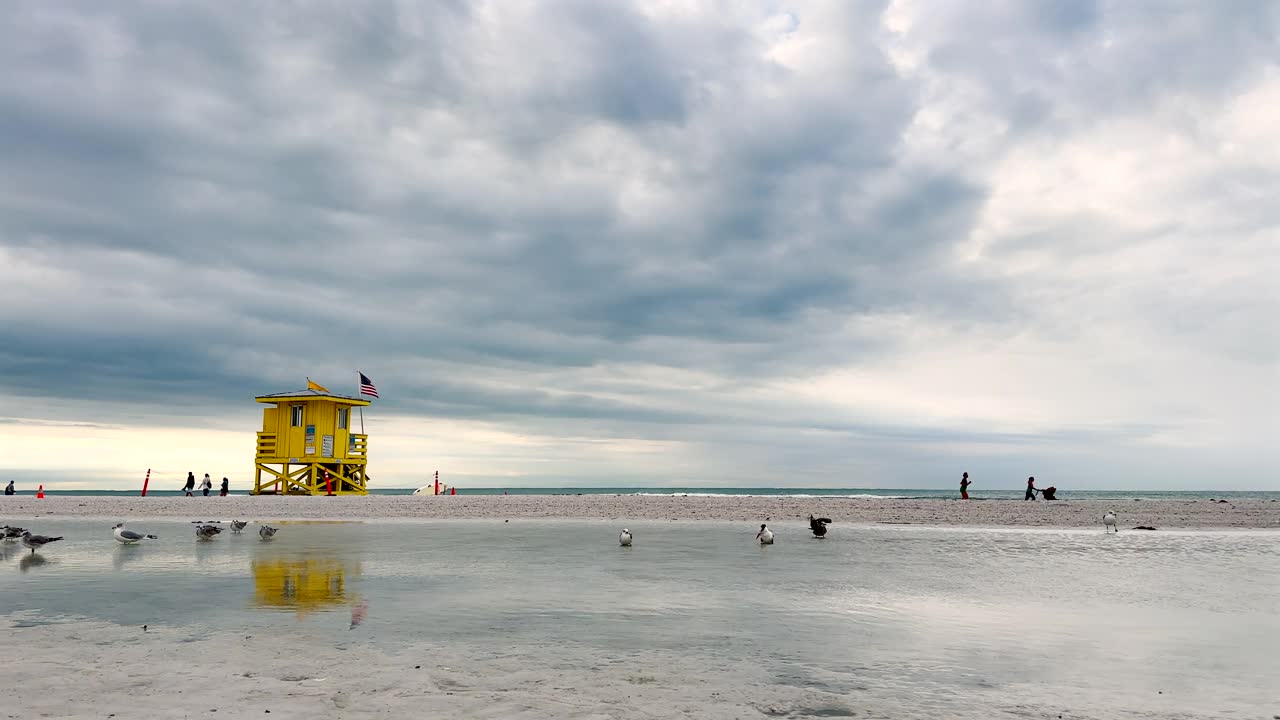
(835, 238)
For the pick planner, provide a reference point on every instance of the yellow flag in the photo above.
(316, 386)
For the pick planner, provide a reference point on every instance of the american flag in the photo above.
(366, 386)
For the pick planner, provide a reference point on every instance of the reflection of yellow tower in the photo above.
(303, 585)
(305, 435)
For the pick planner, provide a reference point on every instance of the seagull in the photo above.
(129, 537)
(765, 536)
(12, 534)
(1109, 521)
(818, 525)
(35, 542)
(207, 532)
(624, 538)
(237, 526)
(266, 532)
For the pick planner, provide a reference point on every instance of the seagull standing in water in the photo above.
(12, 534)
(1109, 521)
(765, 536)
(266, 532)
(237, 526)
(624, 538)
(207, 532)
(35, 542)
(129, 537)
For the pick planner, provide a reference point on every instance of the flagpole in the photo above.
(361, 408)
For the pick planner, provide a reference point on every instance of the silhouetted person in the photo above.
(1031, 489)
(964, 487)
(191, 484)
(8, 489)
(226, 487)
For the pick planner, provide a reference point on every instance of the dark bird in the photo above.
(35, 542)
(207, 532)
(818, 525)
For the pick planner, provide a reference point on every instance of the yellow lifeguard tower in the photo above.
(306, 434)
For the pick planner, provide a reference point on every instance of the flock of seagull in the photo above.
(819, 528)
(765, 537)
(204, 531)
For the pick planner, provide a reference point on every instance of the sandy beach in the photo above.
(540, 619)
(1243, 514)
(182, 672)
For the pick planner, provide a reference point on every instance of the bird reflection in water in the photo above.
(31, 560)
(125, 554)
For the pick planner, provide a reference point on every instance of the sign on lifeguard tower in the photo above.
(289, 461)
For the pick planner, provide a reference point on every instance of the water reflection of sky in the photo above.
(896, 608)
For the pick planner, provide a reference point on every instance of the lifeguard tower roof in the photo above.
(310, 395)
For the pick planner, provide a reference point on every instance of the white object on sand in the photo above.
(1109, 521)
(129, 537)
(765, 536)
(624, 538)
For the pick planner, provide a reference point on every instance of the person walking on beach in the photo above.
(1031, 489)
(8, 489)
(226, 487)
(965, 482)
(206, 485)
(191, 484)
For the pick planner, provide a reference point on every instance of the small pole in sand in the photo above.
(145, 482)
(437, 482)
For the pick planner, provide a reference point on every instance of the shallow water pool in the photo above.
(883, 621)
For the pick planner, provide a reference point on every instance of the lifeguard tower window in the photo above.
(342, 418)
(295, 417)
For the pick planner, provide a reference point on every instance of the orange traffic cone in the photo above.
(40, 493)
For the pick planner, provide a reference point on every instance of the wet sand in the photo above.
(1244, 514)
(85, 670)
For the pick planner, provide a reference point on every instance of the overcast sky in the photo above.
(850, 244)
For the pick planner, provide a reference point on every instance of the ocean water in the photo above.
(697, 620)
(917, 493)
